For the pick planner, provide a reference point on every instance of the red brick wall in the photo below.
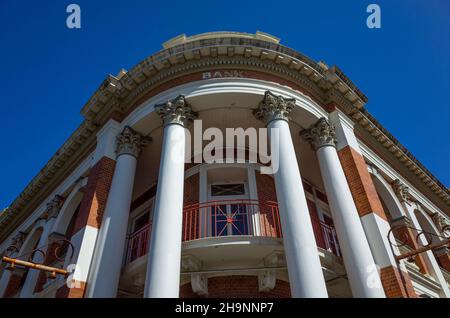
(360, 183)
(191, 222)
(191, 190)
(393, 285)
(444, 261)
(237, 286)
(266, 192)
(97, 190)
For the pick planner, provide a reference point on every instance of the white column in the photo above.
(359, 263)
(16, 245)
(304, 268)
(164, 257)
(53, 208)
(104, 279)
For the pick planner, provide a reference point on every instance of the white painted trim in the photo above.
(84, 243)
(106, 141)
(65, 215)
(253, 195)
(376, 230)
(344, 130)
(388, 195)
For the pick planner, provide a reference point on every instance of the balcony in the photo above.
(231, 218)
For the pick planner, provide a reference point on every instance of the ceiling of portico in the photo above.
(225, 110)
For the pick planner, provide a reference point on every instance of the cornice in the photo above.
(119, 95)
(243, 53)
(63, 162)
(368, 123)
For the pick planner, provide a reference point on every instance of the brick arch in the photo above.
(242, 286)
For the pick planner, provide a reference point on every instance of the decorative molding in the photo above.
(386, 140)
(442, 224)
(374, 170)
(53, 207)
(320, 134)
(401, 190)
(274, 107)
(176, 111)
(55, 236)
(267, 280)
(16, 243)
(130, 142)
(401, 221)
(199, 282)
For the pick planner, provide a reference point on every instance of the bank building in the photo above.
(348, 211)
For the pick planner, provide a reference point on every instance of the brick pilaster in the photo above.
(90, 214)
(390, 278)
(360, 183)
(367, 202)
(97, 190)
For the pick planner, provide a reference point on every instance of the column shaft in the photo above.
(303, 262)
(164, 257)
(304, 268)
(163, 270)
(107, 262)
(359, 263)
(110, 243)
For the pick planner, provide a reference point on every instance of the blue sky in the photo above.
(49, 71)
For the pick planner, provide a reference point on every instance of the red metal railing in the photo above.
(326, 237)
(231, 217)
(138, 243)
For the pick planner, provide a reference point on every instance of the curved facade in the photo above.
(150, 213)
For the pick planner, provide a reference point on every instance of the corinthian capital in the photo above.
(274, 107)
(320, 134)
(130, 142)
(53, 207)
(176, 111)
(401, 190)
